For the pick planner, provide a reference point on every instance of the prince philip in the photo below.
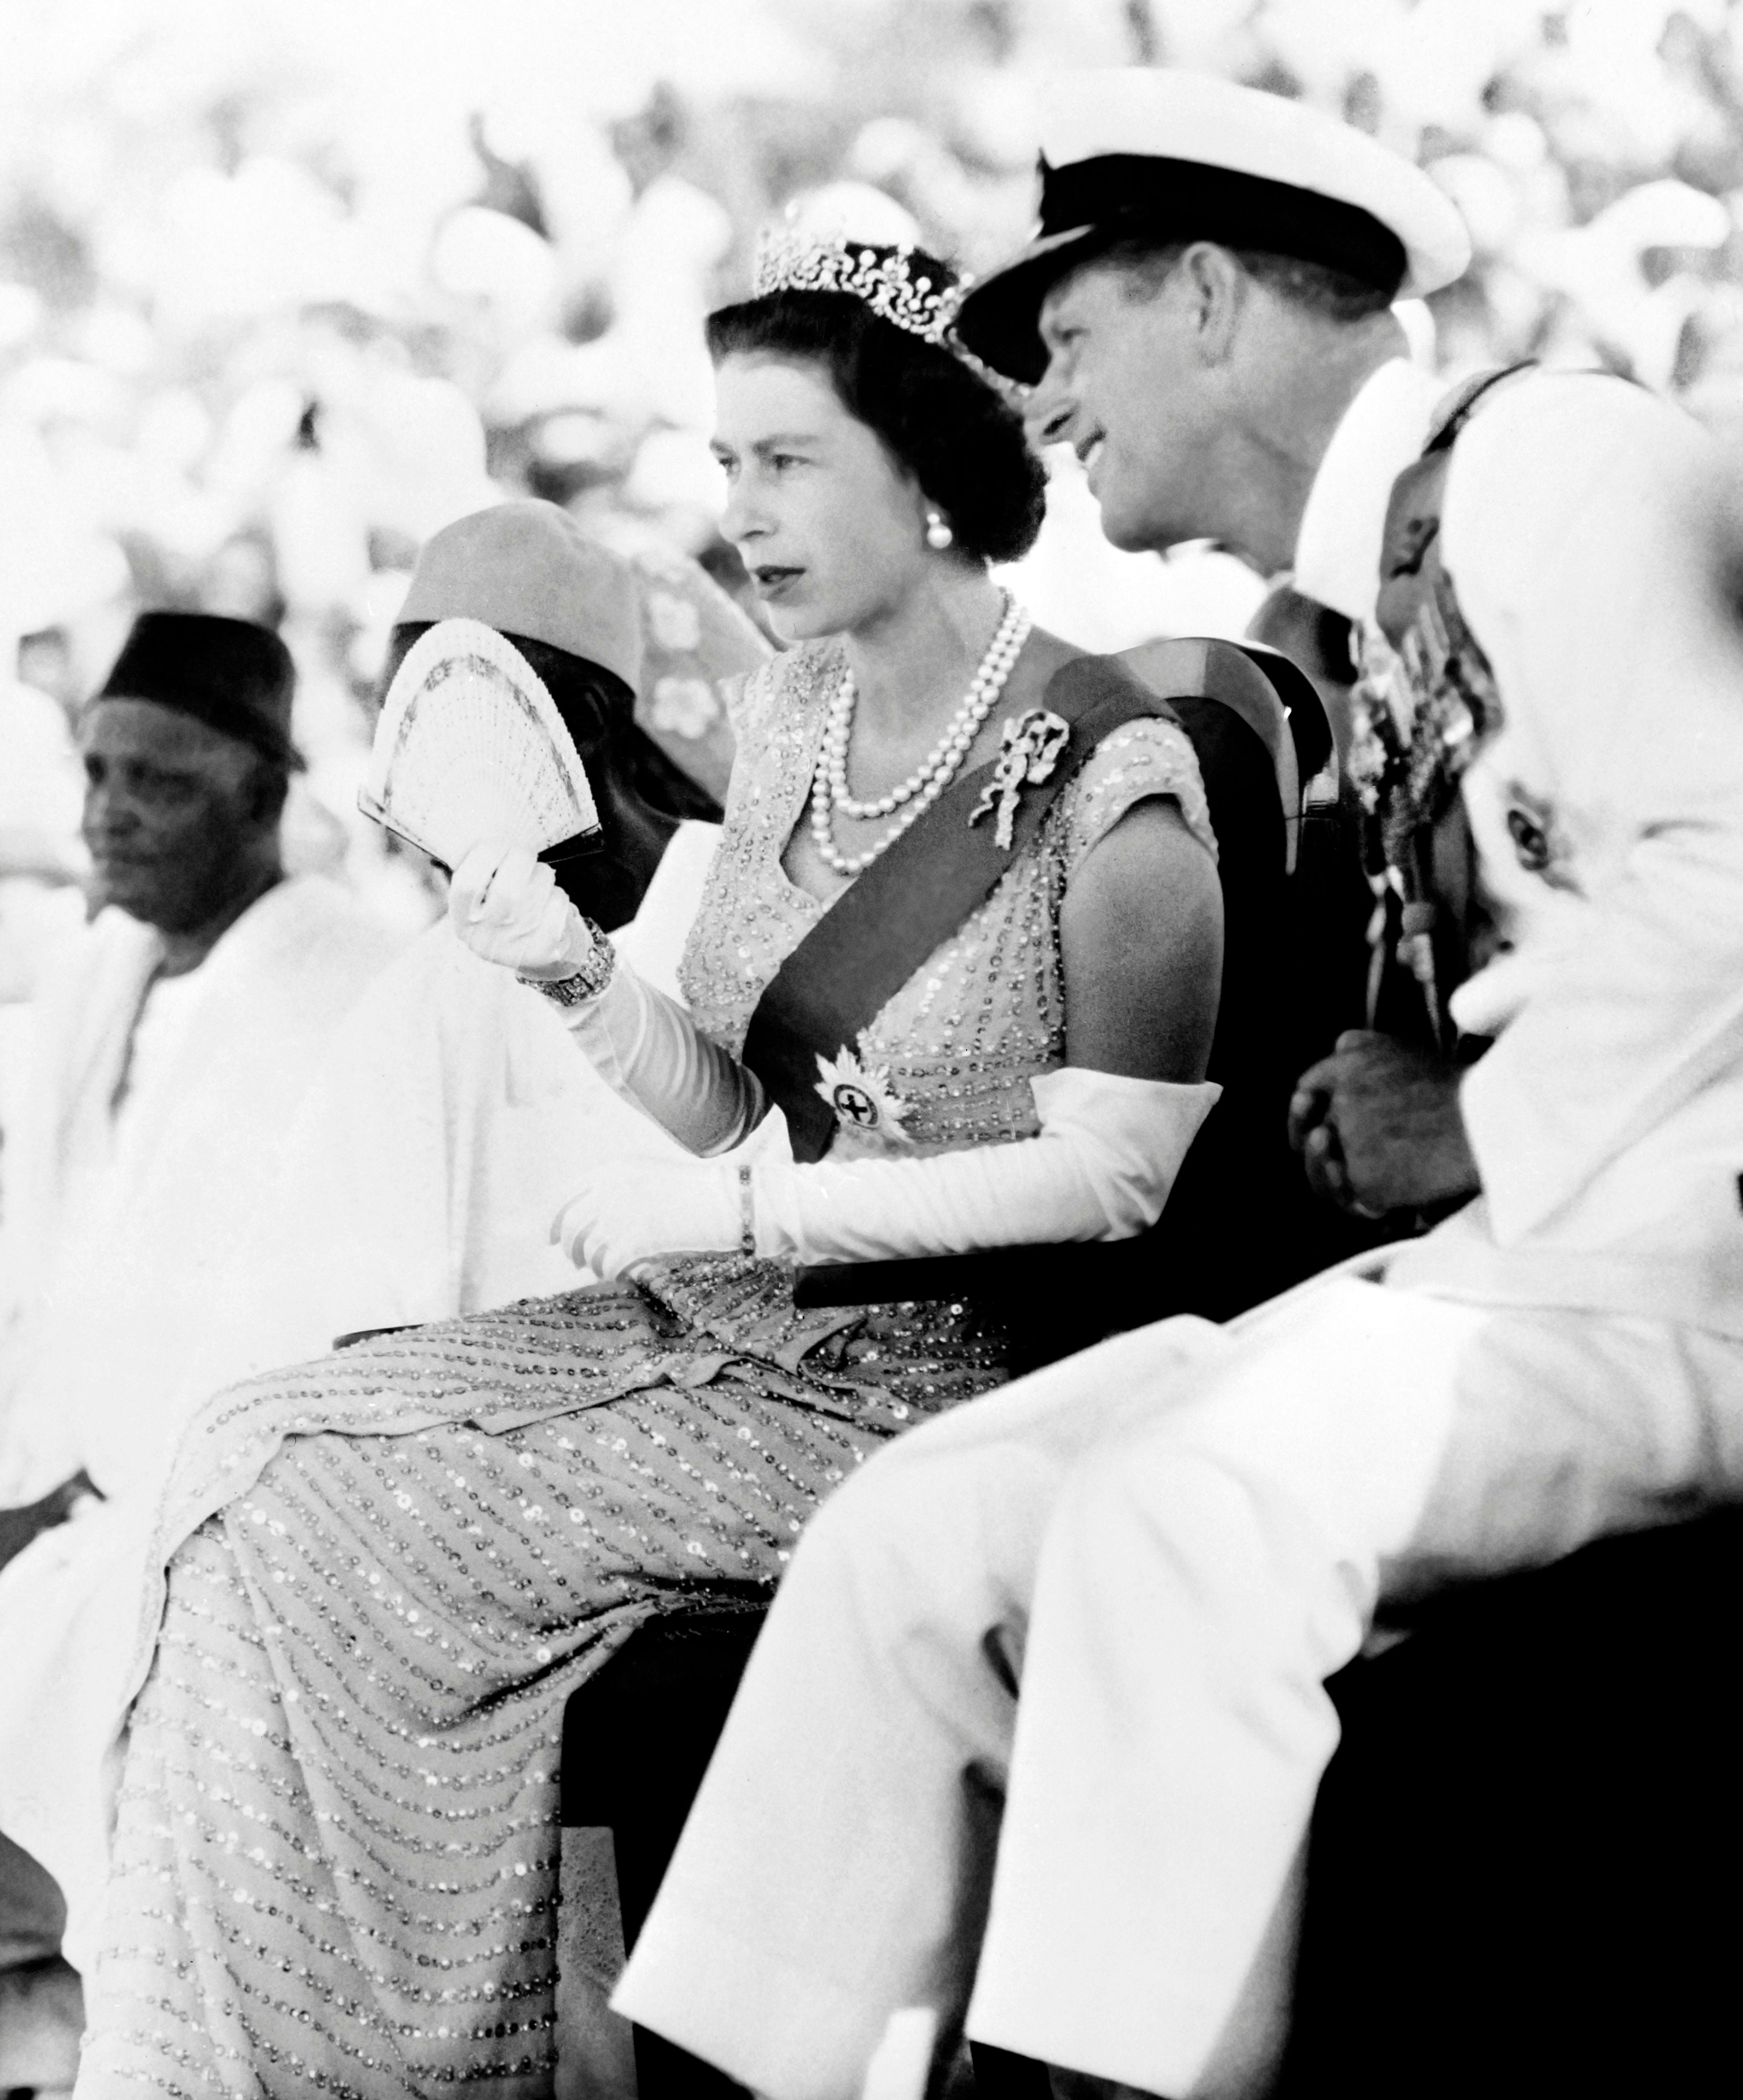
(1095, 1612)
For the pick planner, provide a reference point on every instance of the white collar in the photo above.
(1383, 429)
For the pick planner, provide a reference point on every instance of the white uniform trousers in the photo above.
(1169, 1541)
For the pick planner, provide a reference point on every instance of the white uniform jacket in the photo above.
(1607, 1119)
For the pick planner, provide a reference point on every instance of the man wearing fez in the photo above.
(173, 1050)
(1101, 1605)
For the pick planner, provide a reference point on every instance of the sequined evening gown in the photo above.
(384, 1572)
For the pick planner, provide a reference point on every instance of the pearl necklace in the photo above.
(915, 795)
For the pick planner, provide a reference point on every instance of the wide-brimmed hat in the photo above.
(233, 675)
(1162, 155)
(528, 568)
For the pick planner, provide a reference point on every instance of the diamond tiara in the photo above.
(789, 260)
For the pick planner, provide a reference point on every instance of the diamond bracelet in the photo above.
(586, 983)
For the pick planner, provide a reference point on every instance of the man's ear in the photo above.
(268, 787)
(1215, 286)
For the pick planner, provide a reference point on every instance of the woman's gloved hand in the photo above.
(629, 1210)
(505, 904)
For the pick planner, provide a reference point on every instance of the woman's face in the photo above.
(830, 526)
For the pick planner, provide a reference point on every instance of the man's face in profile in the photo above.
(1121, 387)
(171, 809)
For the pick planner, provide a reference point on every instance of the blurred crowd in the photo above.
(282, 291)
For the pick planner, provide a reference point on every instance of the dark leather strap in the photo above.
(910, 901)
(1455, 409)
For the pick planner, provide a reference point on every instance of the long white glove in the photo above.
(505, 906)
(1107, 1155)
(647, 1047)
(628, 1210)
(1100, 1169)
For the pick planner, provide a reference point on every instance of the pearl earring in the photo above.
(938, 534)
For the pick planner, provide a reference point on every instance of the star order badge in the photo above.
(862, 1096)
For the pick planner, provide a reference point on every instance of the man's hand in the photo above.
(20, 1526)
(1378, 1128)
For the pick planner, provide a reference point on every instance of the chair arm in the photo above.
(1051, 1300)
(1028, 1275)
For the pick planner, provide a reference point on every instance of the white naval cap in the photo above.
(1169, 155)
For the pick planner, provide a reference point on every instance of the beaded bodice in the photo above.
(985, 1013)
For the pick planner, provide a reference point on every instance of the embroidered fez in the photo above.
(528, 568)
(233, 675)
(1164, 156)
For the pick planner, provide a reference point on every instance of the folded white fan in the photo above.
(470, 747)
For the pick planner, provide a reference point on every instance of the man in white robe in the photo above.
(1094, 1615)
(172, 1053)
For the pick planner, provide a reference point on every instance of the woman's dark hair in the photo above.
(953, 432)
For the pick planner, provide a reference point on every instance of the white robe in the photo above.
(120, 1238)
(452, 1118)
(120, 1262)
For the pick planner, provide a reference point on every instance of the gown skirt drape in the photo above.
(336, 1859)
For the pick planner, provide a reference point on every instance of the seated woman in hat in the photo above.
(964, 930)
(450, 1118)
